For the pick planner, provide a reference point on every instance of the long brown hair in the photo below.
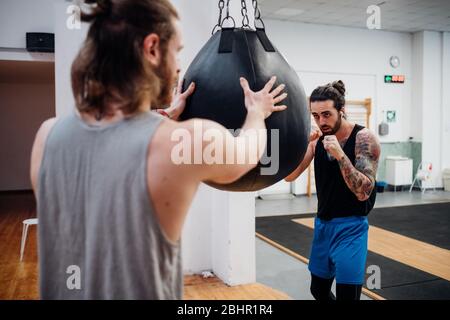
(110, 67)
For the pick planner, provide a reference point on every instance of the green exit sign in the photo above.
(394, 79)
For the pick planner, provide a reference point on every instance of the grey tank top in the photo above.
(98, 236)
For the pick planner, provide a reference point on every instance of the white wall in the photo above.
(17, 17)
(321, 53)
(359, 57)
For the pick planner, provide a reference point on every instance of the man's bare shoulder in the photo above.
(366, 134)
(38, 149)
(47, 125)
(44, 130)
(367, 143)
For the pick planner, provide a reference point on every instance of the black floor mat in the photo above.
(398, 281)
(429, 223)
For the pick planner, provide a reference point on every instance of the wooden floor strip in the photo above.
(412, 252)
(198, 288)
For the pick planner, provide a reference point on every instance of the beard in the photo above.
(167, 84)
(327, 131)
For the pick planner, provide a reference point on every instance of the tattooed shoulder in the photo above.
(367, 152)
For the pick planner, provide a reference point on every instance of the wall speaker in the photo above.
(40, 42)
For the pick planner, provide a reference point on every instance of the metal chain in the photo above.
(228, 17)
(245, 20)
(257, 11)
(219, 22)
(228, 9)
(257, 14)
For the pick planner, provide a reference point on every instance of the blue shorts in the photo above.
(339, 249)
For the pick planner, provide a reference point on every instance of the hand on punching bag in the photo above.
(178, 101)
(264, 101)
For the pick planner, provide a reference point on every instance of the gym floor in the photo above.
(19, 279)
(290, 275)
(277, 273)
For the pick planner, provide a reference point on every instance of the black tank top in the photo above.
(334, 197)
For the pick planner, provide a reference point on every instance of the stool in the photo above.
(26, 224)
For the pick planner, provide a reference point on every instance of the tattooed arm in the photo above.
(361, 178)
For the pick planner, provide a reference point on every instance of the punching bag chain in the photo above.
(245, 20)
(227, 17)
(257, 14)
(219, 22)
(228, 10)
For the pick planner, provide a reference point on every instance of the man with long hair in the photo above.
(345, 164)
(111, 200)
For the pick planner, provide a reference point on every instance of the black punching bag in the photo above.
(228, 55)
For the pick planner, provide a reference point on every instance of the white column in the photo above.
(234, 237)
(431, 104)
(196, 19)
(67, 44)
(431, 99)
(446, 100)
(417, 85)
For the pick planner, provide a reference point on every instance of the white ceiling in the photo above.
(396, 15)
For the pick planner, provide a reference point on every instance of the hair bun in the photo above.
(104, 6)
(99, 8)
(339, 86)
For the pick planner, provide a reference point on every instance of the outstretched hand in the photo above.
(265, 100)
